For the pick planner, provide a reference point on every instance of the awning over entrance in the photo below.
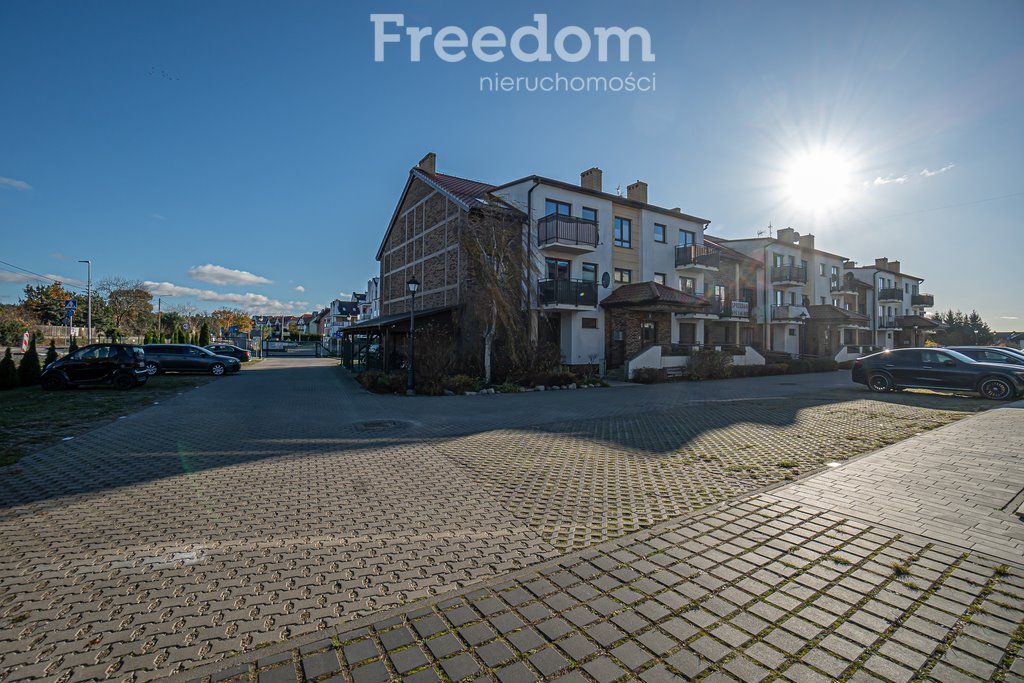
(398, 321)
(834, 314)
(650, 296)
(918, 321)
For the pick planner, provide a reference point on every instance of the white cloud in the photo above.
(257, 303)
(158, 216)
(300, 288)
(928, 174)
(14, 184)
(1008, 317)
(219, 275)
(890, 179)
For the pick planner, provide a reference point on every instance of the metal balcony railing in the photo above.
(561, 229)
(890, 294)
(789, 312)
(567, 292)
(926, 300)
(727, 308)
(887, 322)
(789, 274)
(698, 255)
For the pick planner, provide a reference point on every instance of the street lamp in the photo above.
(803, 333)
(976, 333)
(412, 285)
(88, 289)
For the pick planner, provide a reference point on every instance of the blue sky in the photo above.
(178, 142)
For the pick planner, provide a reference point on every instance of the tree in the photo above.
(28, 368)
(15, 320)
(130, 305)
(962, 329)
(204, 334)
(8, 373)
(46, 302)
(499, 270)
(231, 317)
(73, 346)
(51, 353)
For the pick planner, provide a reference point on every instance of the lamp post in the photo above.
(88, 289)
(412, 285)
(976, 333)
(803, 333)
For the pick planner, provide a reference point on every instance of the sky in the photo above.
(250, 154)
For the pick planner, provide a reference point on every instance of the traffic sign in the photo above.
(184, 326)
(24, 342)
(233, 329)
(70, 305)
(338, 334)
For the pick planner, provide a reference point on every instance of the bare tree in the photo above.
(128, 303)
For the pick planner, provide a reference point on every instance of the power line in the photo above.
(42, 278)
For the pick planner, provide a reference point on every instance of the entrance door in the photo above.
(648, 333)
(687, 333)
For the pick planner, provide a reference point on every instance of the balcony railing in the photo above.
(843, 285)
(702, 255)
(926, 300)
(567, 292)
(730, 309)
(887, 322)
(789, 312)
(890, 294)
(556, 228)
(789, 274)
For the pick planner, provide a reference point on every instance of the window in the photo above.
(822, 301)
(590, 323)
(590, 272)
(821, 269)
(779, 300)
(659, 278)
(648, 332)
(835, 272)
(803, 264)
(792, 298)
(747, 294)
(623, 233)
(623, 275)
(588, 213)
(719, 292)
(558, 269)
(835, 302)
(687, 237)
(688, 284)
(659, 232)
(552, 206)
(777, 260)
(906, 288)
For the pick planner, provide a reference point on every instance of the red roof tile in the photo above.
(652, 293)
(469, 192)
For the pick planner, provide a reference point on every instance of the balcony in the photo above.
(567, 294)
(886, 322)
(789, 275)
(723, 308)
(567, 233)
(844, 285)
(922, 300)
(783, 313)
(698, 257)
(890, 294)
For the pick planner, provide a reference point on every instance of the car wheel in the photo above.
(123, 382)
(152, 368)
(53, 382)
(217, 369)
(880, 382)
(995, 388)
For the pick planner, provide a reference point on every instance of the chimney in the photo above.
(428, 164)
(882, 263)
(894, 266)
(787, 235)
(677, 209)
(591, 179)
(637, 191)
(848, 264)
(807, 242)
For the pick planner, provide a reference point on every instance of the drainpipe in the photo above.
(767, 306)
(529, 256)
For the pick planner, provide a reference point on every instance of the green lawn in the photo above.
(31, 419)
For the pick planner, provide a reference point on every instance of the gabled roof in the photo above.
(918, 321)
(652, 293)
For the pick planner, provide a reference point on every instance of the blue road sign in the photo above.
(338, 334)
(184, 326)
(233, 329)
(70, 305)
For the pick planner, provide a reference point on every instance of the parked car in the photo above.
(187, 358)
(121, 365)
(991, 354)
(938, 368)
(229, 350)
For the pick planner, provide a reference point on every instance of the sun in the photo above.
(818, 180)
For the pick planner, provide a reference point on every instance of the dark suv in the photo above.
(122, 365)
(935, 368)
(187, 358)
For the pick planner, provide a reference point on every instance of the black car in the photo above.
(122, 365)
(991, 354)
(938, 368)
(187, 358)
(230, 350)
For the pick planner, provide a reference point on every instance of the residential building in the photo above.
(898, 307)
(342, 313)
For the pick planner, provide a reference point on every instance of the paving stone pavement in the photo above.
(284, 503)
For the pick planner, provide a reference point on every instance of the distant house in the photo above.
(1014, 340)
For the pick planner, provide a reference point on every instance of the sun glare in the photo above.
(818, 180)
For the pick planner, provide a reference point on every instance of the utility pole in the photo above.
(88, 320)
